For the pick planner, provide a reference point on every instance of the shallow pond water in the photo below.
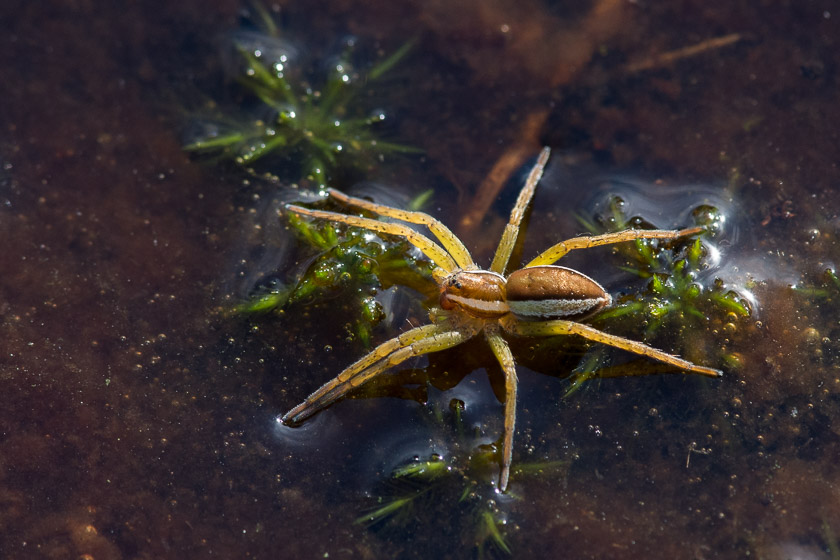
(139, 415)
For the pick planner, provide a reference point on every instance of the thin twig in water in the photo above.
(669, 57)
(526, 145)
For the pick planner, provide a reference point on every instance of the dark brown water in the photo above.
(137, 421)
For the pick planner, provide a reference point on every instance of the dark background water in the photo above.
(136, 421)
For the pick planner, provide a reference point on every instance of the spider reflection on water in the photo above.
(538, 300)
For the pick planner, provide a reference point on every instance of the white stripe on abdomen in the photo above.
(553, 308)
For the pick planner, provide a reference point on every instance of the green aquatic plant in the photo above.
(681, 295)
(351, 264)
(826, 288)
(816, 297)
(831, 540)
(312, 127)
(674, 297)
(456, 490)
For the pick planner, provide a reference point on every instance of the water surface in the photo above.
(139, 421)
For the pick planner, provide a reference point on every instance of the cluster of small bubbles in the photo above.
(325, 273)
(280, 65)
(373, 247)
(344, 71)
(694, 289)
(366, 265)
(618, 204)
(709, 217)
(372, 310)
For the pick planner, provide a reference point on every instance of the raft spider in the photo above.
(540, 299)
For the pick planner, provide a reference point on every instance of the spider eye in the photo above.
(458, 285)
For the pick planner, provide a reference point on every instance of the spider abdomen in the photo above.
(553, 292)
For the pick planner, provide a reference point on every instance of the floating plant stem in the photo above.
(461, 483)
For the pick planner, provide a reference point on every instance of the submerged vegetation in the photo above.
(682, 294)
(297, 125)
(461, 484)
(309, 123)
(351, 264)
(309, 128)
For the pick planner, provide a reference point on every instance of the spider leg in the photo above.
(429, 248)
(559, 326)
(417, 341)
(448, 239)
(554, 253)
(505, 357)
(503, 252)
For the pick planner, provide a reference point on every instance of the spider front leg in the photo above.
(448, 239)
(511, 232)
(416, 342)
(435, 252)
(560, 326)
(555, 252)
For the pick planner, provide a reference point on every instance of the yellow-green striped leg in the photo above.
(435, 252)
(448, 239)
(416, 342)
(560, 326)
(555, 252)
(502, 256)
(505, 357)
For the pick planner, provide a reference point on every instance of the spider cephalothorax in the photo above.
(539, 299)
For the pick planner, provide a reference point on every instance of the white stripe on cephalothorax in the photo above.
(486, 306)
(480, 272)
(548, 308)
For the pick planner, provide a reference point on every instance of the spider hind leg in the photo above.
(560, 326)
(416, 342)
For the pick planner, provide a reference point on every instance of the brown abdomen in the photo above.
(554, 292)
